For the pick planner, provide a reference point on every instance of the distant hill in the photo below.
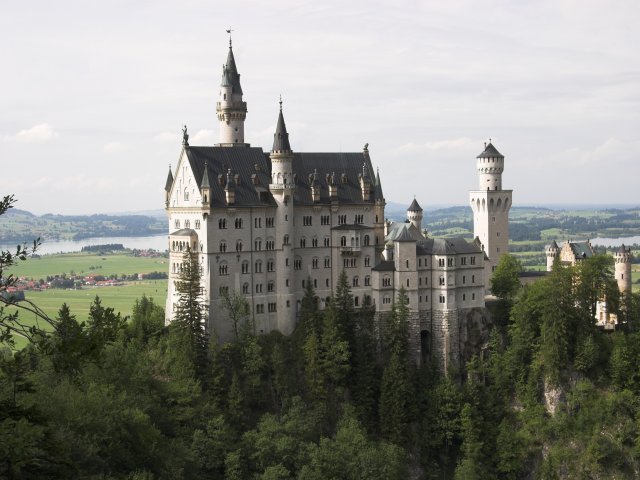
(17, 226)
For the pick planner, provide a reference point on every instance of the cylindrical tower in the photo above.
(414, 214)
(552, 251)
(230, 108)
(490, 164)
(282, 188)
(623, 257)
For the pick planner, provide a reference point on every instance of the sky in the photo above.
(93, 94)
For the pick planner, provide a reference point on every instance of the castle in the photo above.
(572, 253)
(265, 223)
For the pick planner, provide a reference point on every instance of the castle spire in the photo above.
(231, 109)
(281, 137)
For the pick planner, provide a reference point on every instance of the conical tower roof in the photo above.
(205, 177)
(281, 137)
(169, 183)
(490, 152)
(230, 73)
(378, 187)
(414, 207)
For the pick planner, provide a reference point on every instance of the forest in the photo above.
(549, 396)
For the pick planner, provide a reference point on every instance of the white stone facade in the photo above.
(265, 224)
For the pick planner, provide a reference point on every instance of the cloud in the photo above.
(42, 132)
(167, 137)
(114, 147)
(455, 144)
(202, 137)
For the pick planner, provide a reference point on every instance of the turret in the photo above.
(552, 251)
(333, 187)
(205, 187)
(281, 156)
(230, 188)
(490, 164)
(623, 258)
(230, 108)
(315, 187)
(167, 188)
(414, 214)
(365, 176)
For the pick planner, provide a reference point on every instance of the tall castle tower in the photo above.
(490, 205)
(623, 258)
(282, 188)
(230, 108)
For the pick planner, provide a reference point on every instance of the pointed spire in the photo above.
(281, 137)
(169, 183)
(415, 206)
(205, 177)
(378, 186)
(230, 72)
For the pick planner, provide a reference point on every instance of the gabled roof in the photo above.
(244, 162)
(403, 229)
(404, 236)
(253, 168)
(414, 207)
(447, 246)
(490, 152)
(581, 249)
(553, 244)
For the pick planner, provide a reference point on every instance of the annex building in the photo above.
(265, 223)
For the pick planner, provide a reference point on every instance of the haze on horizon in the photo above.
(94, 94)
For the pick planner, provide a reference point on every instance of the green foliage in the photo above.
(190, 312)
(505, 281)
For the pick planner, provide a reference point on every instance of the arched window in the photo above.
(238, 245)
(366, 240)
(223, 246)
(343, 241)
(222, 223)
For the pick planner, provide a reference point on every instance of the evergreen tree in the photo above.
(190, 312)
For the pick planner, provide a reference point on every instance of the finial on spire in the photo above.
(280, 102)
(229, 32)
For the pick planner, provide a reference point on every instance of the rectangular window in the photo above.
(463, 261)
(441, 262)
(324, 220)
(473, 260)
(307, 220)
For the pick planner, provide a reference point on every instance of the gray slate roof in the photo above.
(581, 249)
(281, 137)
(553, 244)
(385, 266)
(243, 162)
(490, 152)
(327, 164)
(230, 73)
(414, 207)
(184, 232)
(167, 186)
(446, 246)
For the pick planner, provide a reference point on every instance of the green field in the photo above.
(121, 298)
(86, 263)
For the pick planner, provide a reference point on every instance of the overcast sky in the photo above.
(93, 94)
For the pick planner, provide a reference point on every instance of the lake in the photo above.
(615, 242)
(157, 242)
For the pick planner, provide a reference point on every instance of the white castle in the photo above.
(264, 224)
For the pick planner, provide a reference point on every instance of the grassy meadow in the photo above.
(121, 298)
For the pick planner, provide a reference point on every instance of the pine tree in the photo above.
(190, 313)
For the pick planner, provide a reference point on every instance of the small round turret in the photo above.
(623, 257)
(490, 166)
(552, 251)
(414, 214)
